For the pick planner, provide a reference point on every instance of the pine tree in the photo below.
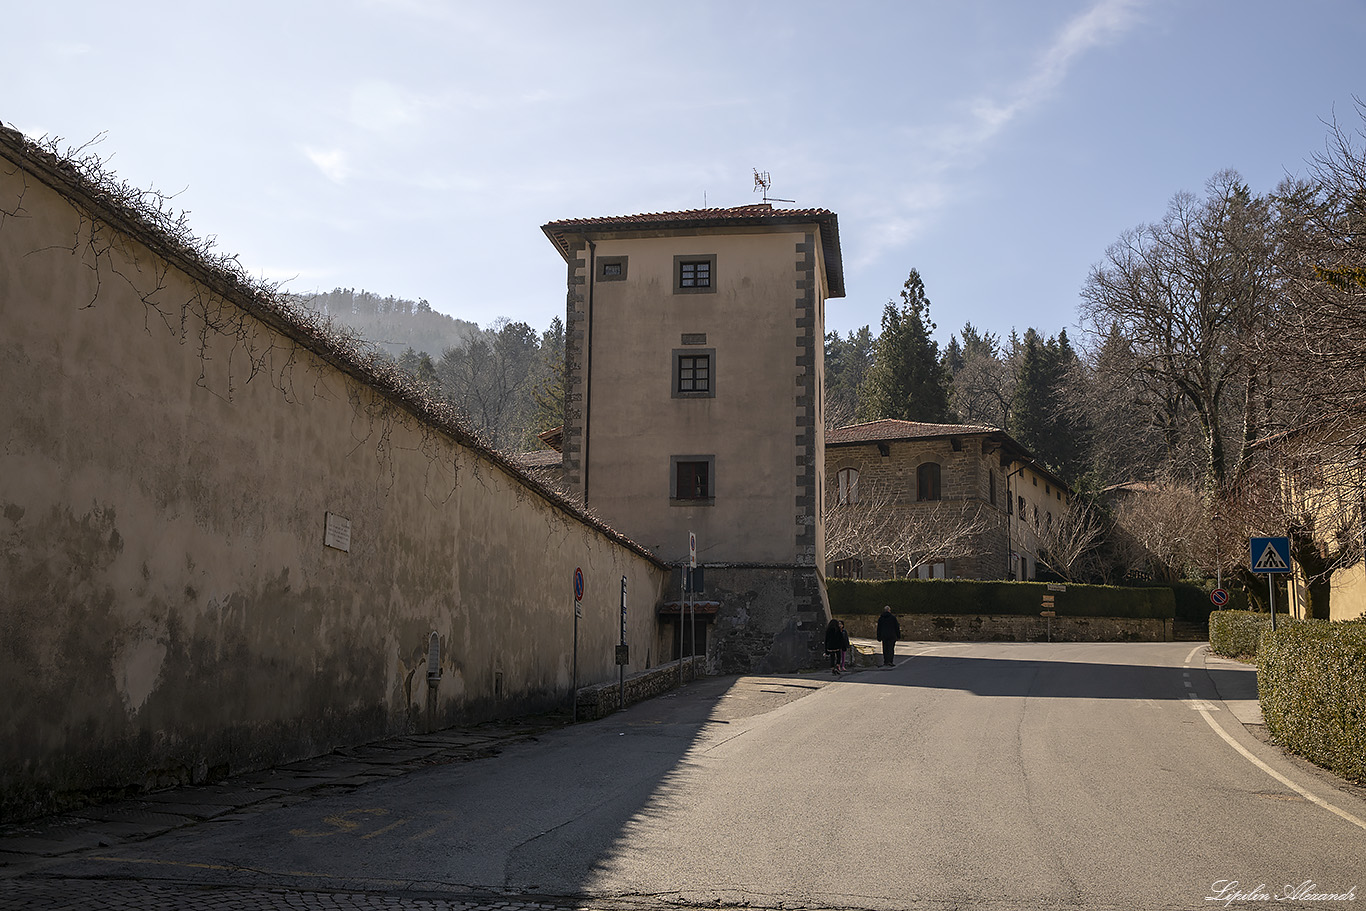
(1031, 408)
(847, 362)
(547, 395)
(906, 380)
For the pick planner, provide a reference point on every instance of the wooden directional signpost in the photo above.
(1270, 556)
(1048, 613)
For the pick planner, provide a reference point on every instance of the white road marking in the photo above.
(1312, 798)
(1204, 709)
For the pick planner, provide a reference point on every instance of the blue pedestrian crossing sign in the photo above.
(1270, 555)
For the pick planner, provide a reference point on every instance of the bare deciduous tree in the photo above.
(873, 525)
(1188, 293)
(1167, 522)
(1067, 545)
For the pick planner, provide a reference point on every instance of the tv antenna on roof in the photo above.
(763, 182)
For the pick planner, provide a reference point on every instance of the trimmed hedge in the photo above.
(1311, 678)
(967, 596)
(1235, 633)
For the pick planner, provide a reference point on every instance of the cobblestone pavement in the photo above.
(60, 894)
(33, 844)
(27, 848)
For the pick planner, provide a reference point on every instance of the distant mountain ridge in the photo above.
(392, 323)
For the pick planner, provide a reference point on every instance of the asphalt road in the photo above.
(972, 775)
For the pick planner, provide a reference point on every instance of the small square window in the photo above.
(695, 274)
(694, 373)
(612, 268)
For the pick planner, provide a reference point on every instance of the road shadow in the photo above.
(544, 818)
(556, 818)
(1050, 678)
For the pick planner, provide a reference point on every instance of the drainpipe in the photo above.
(588, 367)
(1010, 519)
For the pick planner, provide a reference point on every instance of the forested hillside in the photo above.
(507, 378)
(392, 323)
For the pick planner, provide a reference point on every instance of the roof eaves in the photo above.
(742, 216)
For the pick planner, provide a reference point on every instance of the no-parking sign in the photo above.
(1218, 597)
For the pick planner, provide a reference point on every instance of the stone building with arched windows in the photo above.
(958, 501)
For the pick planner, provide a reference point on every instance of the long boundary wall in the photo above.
(226, 545)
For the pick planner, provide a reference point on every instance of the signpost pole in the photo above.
(1271, 598)
(621, 667)
(687, 584)
(574, 688)
(692, 626)
(578, 611)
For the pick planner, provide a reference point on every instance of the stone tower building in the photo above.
(695, 345)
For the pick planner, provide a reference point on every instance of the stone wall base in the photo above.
(1013, 628)
(771, 619)
(603, 699)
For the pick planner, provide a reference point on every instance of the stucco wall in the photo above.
(170, 611)
(750, 423)
(760, 535)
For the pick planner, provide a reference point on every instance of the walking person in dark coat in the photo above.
(835, 640)
(888, 631)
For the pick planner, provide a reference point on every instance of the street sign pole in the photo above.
(578, 611)
(1270, 556)
(687, 584)
(621, 696)
(1271, 598)
(574, 687)
(692, 603)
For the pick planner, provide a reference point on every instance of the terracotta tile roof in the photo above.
(690, 219)
(890, 429)
(735, 214)
(554, 438)
(540, 458)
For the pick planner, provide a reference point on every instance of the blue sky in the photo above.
(414, 147)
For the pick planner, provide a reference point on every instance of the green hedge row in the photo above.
(966, 596)
(1235, 633)
(1311, 678)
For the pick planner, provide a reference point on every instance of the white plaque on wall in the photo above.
(338, 533)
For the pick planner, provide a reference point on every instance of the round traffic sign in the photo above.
(1218, 597)
(578, 584)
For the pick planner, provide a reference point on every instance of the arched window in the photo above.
(927, 481)
(848, 481)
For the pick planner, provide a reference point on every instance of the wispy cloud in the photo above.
(332, 163)
(953, 148)
(1099, 25)
(66, 50)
